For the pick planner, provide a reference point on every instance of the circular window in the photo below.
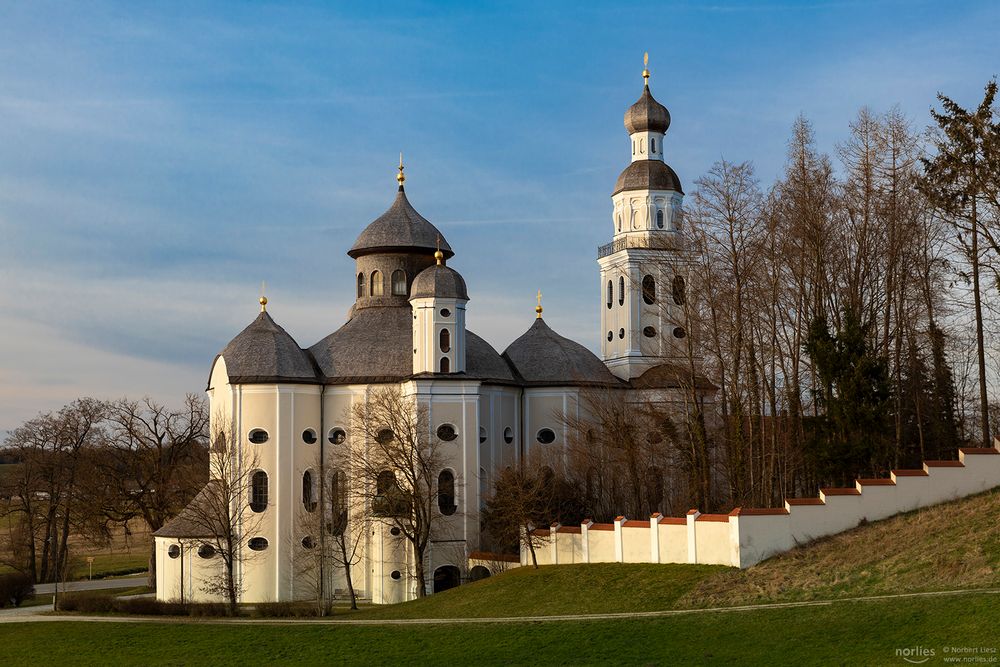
(679, 332)
(396, 574)
(447, 432)
(309, 436)
(445, 312)
(482, 434)
(174, 551)
(206, 551)
(337, 436)
(258, 436)
(611, 336)
(648, 332)
(384, 436)
(546, 436)
(308, 542)
(508, 435)
(394, 531)
(621, 333)
(257, 543)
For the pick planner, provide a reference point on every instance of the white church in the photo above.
(290, 406)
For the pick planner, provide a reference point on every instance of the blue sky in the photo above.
(159, 160)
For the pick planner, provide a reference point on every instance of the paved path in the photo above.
(38, 614)
(95, 585)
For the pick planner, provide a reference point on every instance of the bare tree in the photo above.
(519, 504)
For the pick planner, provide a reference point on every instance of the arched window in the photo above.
(633, 147)
(445, 365)
(308, 497)
(621, 290)
(389, 500)
(258, 491)
(508, 435)
(446, 493)
(444, 339)
(659, 218)
(648, 289)
(361, 285)
(398, 283)
(611, 294)
(338, 503)
(652, 145)
(376, 289)
(677, 290)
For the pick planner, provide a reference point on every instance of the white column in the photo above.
(553, 536)
(692, 516)
(654, 537)
(619, 546)
(585, 538)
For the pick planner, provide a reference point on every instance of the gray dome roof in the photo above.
(439, 280)
(543, 357)
(265, 353)
(648, 175)
(400, 228)
(376, 345)
(647, 115)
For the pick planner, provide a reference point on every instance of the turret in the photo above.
(438, 299)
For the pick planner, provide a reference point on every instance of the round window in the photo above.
(679, 332)
(508, 435)
(174, 551)
(546, 436)
(384, 436)
(447, 432)
(337, 436)
(257, 543)
(396, 574)
(394, 531)
(309, 436)
(445, 312)
(308, 542)
(206, 551)
(482, 434)
(649, 332)
(621, 333)
(258, 436)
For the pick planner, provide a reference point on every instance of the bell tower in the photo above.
(643, 268)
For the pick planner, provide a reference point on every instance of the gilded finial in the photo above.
(400, 177)
(645, 67)
(438, 255)
(263, 299)
(538, 308)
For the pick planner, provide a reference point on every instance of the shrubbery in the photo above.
(284, 609)
(15, 588)
(87, 602)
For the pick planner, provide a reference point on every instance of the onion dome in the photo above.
(647, 115)
(543, 357)
(265, 353)
(439, 281)
(648, 175)
(376, 345)
(400, 229)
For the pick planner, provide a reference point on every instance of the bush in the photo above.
(283, 609)
(150, 607)
(86, 602)
(15, 588)
(208, 609)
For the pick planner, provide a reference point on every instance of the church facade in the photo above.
(289, 408)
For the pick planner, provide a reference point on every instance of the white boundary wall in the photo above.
(745, 537)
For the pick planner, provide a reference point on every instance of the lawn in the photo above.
(845, 633)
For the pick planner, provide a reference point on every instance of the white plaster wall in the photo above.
(673, 543)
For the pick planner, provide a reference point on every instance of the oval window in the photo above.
(648, 332)
(648, 289)
(508, 435)
(444, 340)
(309, 436)
(258, 436)
(174, 551)
(384, 436)
(679, 332)
(257, 543)
(395, 575)
(546, 436)
(308, 542)
(611, 294)
(308, 496)
(206, 551)
(677, 290)
(621, 290)
(445, 312)
(482, 434)
(337, 436)
(394, 531)
(611, 336)
(659, 218)
(621, 333)
(447, 432)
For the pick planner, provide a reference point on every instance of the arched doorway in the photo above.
(445, 577)
(479, 572)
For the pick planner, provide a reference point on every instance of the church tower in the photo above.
(642, 269)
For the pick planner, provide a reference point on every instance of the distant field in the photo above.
(861, 633)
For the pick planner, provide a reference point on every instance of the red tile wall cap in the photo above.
(692, 511)
(848, 491)
(602, 526)
(804, 501)
(486, 555)
(910, 473)
(569, 529)
(655, 515)
(722, 518)
(979, 450)
(673, 521)
(876, 482)
(632, 523)
(943, 464)
(759, 511)
(619, 518)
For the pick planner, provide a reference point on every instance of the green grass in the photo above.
(846, 633)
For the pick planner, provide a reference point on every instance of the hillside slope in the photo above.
(945, 547)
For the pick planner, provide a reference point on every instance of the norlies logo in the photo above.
(916, 655)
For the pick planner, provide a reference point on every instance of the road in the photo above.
(95, 585)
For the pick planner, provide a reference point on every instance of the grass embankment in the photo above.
(846, 633)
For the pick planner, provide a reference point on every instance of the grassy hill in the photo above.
(946, 547)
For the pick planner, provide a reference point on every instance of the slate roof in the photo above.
(400, 228)
(543, 357)
(647, 115)
(670, 376)
(191, 521)
(265, 353)
(376, 345)
(439, 280)
(648, 175)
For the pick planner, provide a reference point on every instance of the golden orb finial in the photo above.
(538, 308)
(645, 67)
(263, 304)
(438, 255)
(400, 177)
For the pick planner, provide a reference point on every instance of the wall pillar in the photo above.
(654, 537)
(692, 517)
(585, 538)
(553, 542)
(619, 547)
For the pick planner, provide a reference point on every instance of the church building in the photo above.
(289, 406)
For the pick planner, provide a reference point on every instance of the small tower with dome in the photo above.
(438, 299)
